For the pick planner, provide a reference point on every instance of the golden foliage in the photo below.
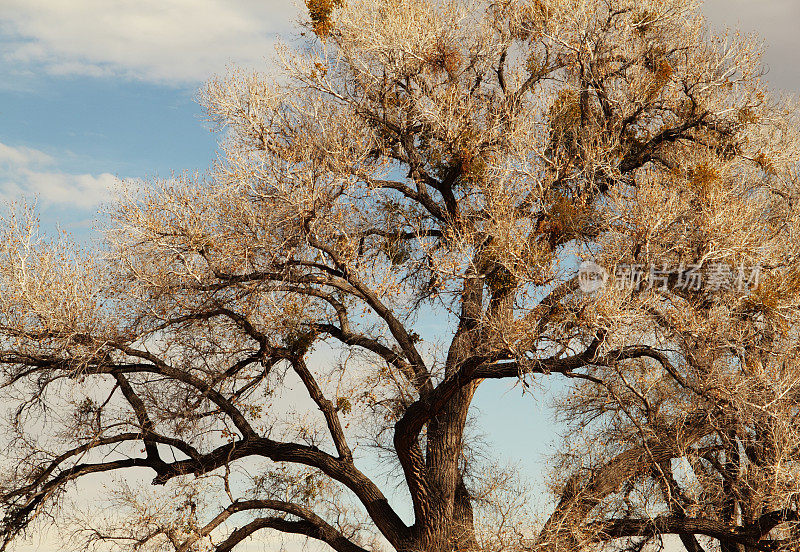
(402, 212)
(747, 115)
(703, 178)
(536, 67)
(446, 57)
(320, 13)
(565, 119)
(533, 19)
(765, 163)
(778, 290)
(642, 19)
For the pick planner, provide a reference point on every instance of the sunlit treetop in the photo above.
(400, 217)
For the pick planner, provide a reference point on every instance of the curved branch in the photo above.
(312, 526)
(578, 501)
(304, 527)
(161, 367)
(408, 428)
(359, 340)
(621, 528)
(327, 408)
(398, 331)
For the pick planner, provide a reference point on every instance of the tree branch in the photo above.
(311, 526)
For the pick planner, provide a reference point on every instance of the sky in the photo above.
(92, 91)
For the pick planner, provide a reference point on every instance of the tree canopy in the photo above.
(599, 192)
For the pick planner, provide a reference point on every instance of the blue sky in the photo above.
(93, 90)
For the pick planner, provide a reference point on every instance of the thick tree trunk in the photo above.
(463, 521)
(451, 525)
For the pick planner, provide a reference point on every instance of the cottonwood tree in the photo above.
(444, 165)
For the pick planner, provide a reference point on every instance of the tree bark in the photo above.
(451, 523)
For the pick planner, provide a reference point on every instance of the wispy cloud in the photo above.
(22, 156)
(164, 41)
(30, 173)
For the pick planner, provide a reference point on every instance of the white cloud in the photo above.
(22, 156)
(27, 172)
(165, 41)
(186, 41)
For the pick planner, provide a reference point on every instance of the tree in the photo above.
(451, 161)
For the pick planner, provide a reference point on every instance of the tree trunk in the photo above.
(451, 525)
